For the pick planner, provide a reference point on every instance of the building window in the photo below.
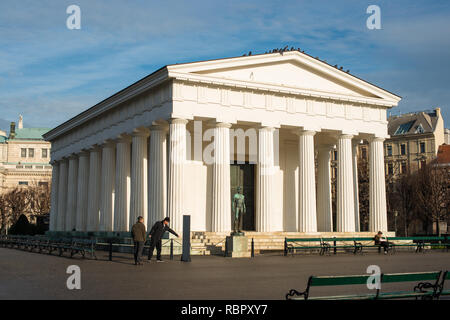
(335, 155)
(423, 163)
(23, 183)
(419, 129)
(23, 152)
(30, 153)
(44, 153)
(403, 149)
(43, 184)
(422, 147)
(389, 150)
(403, 168)
(390, 168)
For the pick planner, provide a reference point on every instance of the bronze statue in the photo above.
(239, 210)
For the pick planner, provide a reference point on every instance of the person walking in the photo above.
(156, 233)
(138, 231)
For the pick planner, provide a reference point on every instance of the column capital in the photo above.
(303, 132)
(124, 138)
(223, 125)
(140, 132)
(83, 153)
(178, 121)
(94, 148)
(109, 143)
(73, 156)
(266, 128)
(159, 125)
(345, 136)
(377, 139)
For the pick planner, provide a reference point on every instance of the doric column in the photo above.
(355, 184)
(377, 187)
(139, 175)
(62, 196)
(72, 188)
(177, 159)
(324, 208)
(221, 206)
(82, 192)
(95, 170)
(158, 173)
(122, 184)
(107, 186)
(307, 218)
(54, 197)
(345, 193)
(264, 179)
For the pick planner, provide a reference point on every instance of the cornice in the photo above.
(130, 92)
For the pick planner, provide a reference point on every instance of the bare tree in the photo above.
(17, 202)
(404, 197)
(39, 199)
(4, 214)
(432, 193)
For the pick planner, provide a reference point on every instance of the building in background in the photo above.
(414, 140)
(24, 157)
(447, 136)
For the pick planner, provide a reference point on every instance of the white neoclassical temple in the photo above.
(181, 140)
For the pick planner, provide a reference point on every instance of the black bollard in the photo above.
(110, 249)
(226, 249)
(253, 248)
(285, 247)
(186, 253)
(171, 249)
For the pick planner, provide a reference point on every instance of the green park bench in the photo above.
(83, 246)
(339, 243)
(421, 289)
(291, 245)
(332, 281)
(441, 288)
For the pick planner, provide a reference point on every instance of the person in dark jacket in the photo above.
(156, 233)
(381, 241)
(138, 231)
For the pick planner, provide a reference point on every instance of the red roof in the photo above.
(443, 155)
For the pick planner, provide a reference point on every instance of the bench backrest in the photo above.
(303, 239)
(337, 280)
(408, 277)
(339, 239)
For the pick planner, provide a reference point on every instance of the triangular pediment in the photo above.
(290, 70)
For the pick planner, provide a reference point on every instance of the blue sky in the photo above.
(49, 73)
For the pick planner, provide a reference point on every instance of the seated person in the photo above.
(381, 241)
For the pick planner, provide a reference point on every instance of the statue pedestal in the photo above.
(237, 246)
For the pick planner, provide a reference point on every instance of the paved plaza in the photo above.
(25, 275)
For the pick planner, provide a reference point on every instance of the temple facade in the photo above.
(183, 139)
